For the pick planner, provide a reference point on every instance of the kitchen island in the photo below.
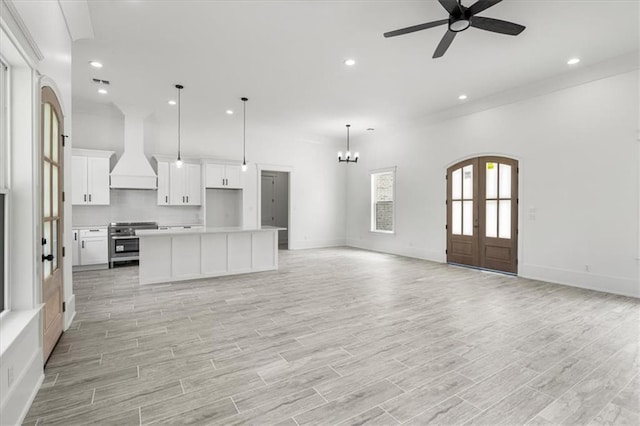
(168, 255)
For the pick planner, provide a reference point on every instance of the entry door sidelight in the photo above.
(482, 213)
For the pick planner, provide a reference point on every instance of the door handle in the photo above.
(48, 257)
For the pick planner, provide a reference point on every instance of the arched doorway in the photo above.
(482, 213)
(52, 128)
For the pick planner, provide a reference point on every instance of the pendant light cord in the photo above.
(179, 87)
(244, 130)
(348, 126)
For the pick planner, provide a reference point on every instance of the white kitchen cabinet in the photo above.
(90, 184)
(224, 176)
(94, 247)
(163, 183)
(185, 184)
(75, 247)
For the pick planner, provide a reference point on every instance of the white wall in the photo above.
(317, 189)
(578, 169)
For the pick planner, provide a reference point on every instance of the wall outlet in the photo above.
(9, 376)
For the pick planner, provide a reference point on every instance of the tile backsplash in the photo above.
(135, 205)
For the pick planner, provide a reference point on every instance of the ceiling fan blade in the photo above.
(481, 5)
(451, 6)
(444, 43)
(416, 28)
(496, 25)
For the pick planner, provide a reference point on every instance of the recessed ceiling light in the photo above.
(350, 62)
(95, 64)
(102, 91)
(462, 97)
(229, 112)
(171, 102)
(573, 61)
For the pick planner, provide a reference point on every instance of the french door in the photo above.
(482, 213)
(52, 219)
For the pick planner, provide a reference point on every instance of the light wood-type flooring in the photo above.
(343, 336)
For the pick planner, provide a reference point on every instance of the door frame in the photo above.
(276, 168)
(521, 233)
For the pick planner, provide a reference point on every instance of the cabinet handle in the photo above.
(89, 197)
(187, 198)
(75, 236)
(166, 199)
(83, 244)
(85, 198)
(183, 198)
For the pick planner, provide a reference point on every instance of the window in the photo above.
(4, 131)
(382, 200)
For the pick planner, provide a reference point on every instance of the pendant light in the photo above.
(348, 158)
(179, 160)
(244, 134)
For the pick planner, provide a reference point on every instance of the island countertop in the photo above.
(209, 230)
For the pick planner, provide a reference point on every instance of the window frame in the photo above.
(372, 204)
(5, 118)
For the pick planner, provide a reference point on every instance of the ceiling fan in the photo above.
(461, 18)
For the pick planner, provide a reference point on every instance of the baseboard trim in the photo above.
(70, 314)
(586, 280)
(412, 252)
(304, 245)
(10, 404)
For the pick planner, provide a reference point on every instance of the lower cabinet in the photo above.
(90, 247)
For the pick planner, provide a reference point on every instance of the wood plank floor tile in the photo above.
(350, 405)
(341, 335)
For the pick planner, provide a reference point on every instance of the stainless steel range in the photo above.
(123, 244)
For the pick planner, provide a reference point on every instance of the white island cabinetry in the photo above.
(185, 254)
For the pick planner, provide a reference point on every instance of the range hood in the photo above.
(133, 171)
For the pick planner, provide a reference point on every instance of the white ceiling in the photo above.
(287, 57)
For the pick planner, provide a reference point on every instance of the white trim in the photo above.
(46, 81)
(14, 25)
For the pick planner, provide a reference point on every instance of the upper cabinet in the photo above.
(225, 176)
(90, 171)
(179, 186)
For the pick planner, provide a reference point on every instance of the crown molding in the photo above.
(11, 19)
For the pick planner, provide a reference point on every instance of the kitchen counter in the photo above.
(212, 230)
(168, 255)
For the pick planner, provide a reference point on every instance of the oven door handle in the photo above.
(124, 237)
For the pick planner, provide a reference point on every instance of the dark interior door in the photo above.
(482, 213)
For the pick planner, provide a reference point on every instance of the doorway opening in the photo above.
(482, 213)
(274, 203)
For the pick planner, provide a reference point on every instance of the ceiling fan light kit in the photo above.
(460, 19)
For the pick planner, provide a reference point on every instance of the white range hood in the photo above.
(133, 171)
